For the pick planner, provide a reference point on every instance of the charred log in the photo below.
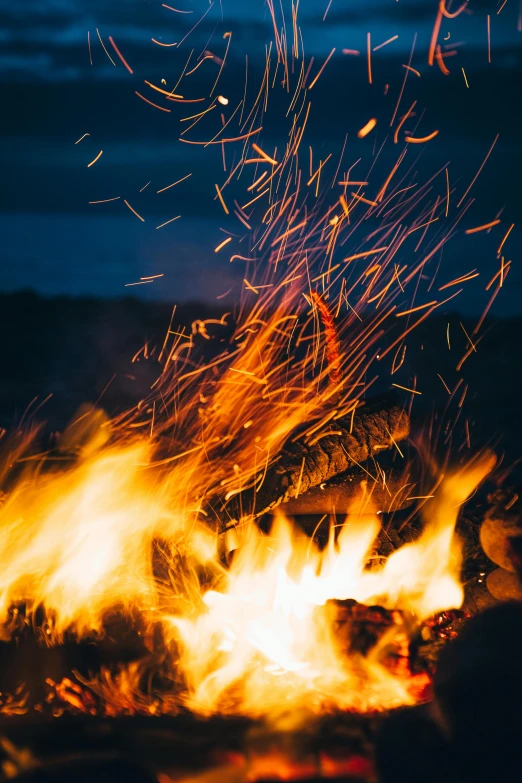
(302, 465)
(356, 491)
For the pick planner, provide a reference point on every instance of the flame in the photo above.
(258, 637)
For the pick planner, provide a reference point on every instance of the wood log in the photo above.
(299, 466)
(355, 492)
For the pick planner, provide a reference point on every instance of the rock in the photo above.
(504, 585)
(501, 532)
(478, 695)
(497, 542)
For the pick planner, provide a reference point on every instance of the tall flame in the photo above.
(256, 638)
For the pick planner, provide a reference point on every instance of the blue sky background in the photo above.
(53, 241)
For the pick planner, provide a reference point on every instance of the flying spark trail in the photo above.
(155, 105)
(122, 58)
(97, 158)
(133, 210)
(366, 129)
(162, 190)
(482, 228)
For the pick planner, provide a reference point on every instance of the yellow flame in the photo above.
(260, 637)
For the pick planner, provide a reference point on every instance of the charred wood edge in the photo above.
(185, 739)
(345, 493)
(341, 445)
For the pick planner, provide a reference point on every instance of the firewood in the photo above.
(299, 466)
(356, 491)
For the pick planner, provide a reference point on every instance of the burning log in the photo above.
(355, 491)
(302, 465)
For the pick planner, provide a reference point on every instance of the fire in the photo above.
(245, 621)
(256, 638)
(264, 643)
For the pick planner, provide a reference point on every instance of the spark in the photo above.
(229, 37)
(98, 156)
(172, 96)
(241, 258)
(510, 229)
(413, 70)
(448, 14)
(365, 200)
(257, 181)
(389, 41)
(501, 272)
(369, 57)
(224, 141)
(321, 69)
(463, 279)
(155, 105)
(287, 233)
(145, 186)
(405, 388)
(417, 228)
(222, 244)
(365, 254)
(321, 164)
(133, 210)
(447, 191)
(152, 277)
(482, 228)
(501, 7)
(222, 100)
(366, 129)
(435, 35)
(440, 61)
(327, 9)
(82, 138)
(122, 58)
(263, 193)
(168, 221)
(263, 154)
(222, 296)
(480, 169)
(175, 183)
(104, 48)
(140, 282)
(197, 23)
(159, 43)
(222, 200)
(402, 121)
(352, 182)
(416, 309)
(176, 10)
(489, 37)
(465, 78)
(354, 52)
(105, 200)
(89, 45)
(444, 383)
(421, 140)
(404, 82)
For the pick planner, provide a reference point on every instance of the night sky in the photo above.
(55, 242)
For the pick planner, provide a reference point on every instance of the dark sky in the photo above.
(54, 241)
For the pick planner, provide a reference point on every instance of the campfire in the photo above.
(259, 567)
